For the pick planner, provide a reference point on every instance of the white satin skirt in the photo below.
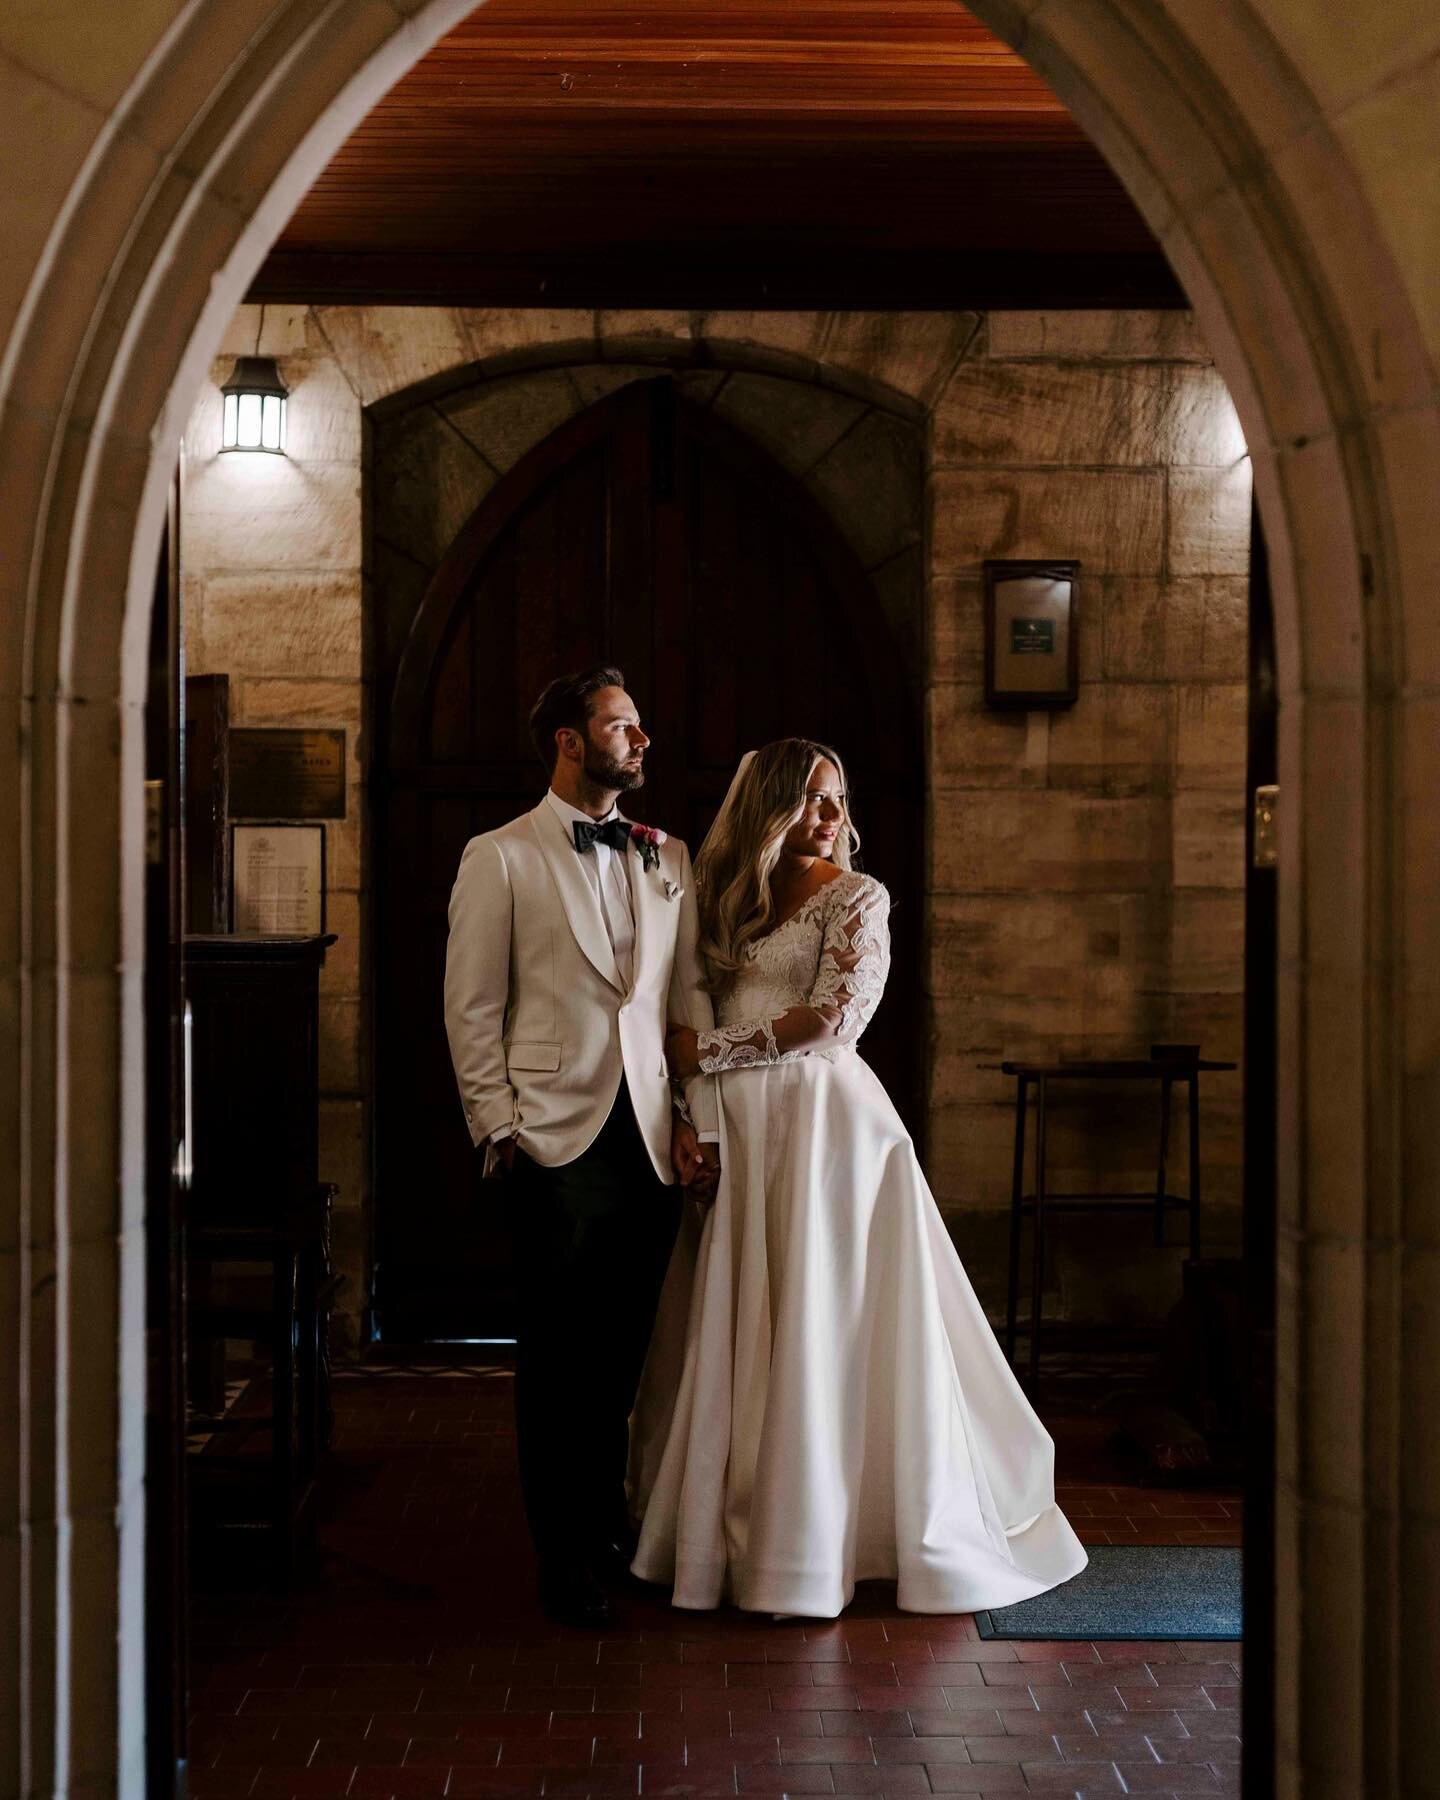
(824, 1401)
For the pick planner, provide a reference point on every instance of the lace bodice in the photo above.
(810, 986)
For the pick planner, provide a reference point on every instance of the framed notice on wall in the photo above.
(1031, 648)
(278, 879)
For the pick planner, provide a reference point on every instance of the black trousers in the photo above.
(590, 1241)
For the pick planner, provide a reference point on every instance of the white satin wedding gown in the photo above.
(824, 1401)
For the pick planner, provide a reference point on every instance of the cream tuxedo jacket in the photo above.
(540, 1026)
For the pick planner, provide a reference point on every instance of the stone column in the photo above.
(1288, 168)
(142, 152)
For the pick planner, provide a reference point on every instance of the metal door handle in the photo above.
(1264, 839)
(184, 1153)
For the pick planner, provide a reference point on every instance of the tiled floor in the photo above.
(414, 1663)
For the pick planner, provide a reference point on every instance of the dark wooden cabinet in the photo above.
(255, 1074)
(258, 1242)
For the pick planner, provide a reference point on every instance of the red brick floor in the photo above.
(1104, 1510)
(414, 1663)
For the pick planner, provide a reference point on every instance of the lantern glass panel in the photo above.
(272, 423)
(248, 434)
(228, 436)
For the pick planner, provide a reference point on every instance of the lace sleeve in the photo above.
(854, 961)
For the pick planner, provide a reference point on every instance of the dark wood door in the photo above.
(1261, 1211)
(166, 1588)
(647, 532)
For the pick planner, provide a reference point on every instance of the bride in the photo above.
(824, 1401)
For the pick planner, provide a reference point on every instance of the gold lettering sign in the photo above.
(283, 774)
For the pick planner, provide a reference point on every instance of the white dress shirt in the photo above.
(606, 872)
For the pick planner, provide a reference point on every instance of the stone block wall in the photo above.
(1086, 868)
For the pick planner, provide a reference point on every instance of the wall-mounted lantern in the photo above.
(254, 407)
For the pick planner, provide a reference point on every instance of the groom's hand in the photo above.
(504, 1153)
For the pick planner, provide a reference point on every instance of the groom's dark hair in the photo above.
(565, 706)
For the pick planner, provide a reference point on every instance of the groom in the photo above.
(572, 946)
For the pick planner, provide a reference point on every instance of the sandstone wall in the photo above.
(1085, 869)
(1087, 866)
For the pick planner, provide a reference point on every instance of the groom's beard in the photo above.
(613, 772)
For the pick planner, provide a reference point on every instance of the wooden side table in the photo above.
(1168, 1071)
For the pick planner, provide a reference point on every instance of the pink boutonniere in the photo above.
(647, 840)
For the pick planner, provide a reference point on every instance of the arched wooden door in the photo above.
(645, 532)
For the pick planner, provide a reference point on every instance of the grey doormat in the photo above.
(1133, 1591)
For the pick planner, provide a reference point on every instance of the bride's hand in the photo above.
(681, 1052)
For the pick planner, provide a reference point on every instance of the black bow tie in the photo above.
(614, 832)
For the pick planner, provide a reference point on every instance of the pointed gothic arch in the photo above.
(648, 532)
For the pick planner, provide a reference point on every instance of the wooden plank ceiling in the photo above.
(711, 153)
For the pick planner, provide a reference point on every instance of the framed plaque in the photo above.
(284, 774)
(1031, 650)
(278, 879)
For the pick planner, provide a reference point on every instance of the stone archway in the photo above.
(1287, 161)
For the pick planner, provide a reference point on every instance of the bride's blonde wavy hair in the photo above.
(742, 847)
